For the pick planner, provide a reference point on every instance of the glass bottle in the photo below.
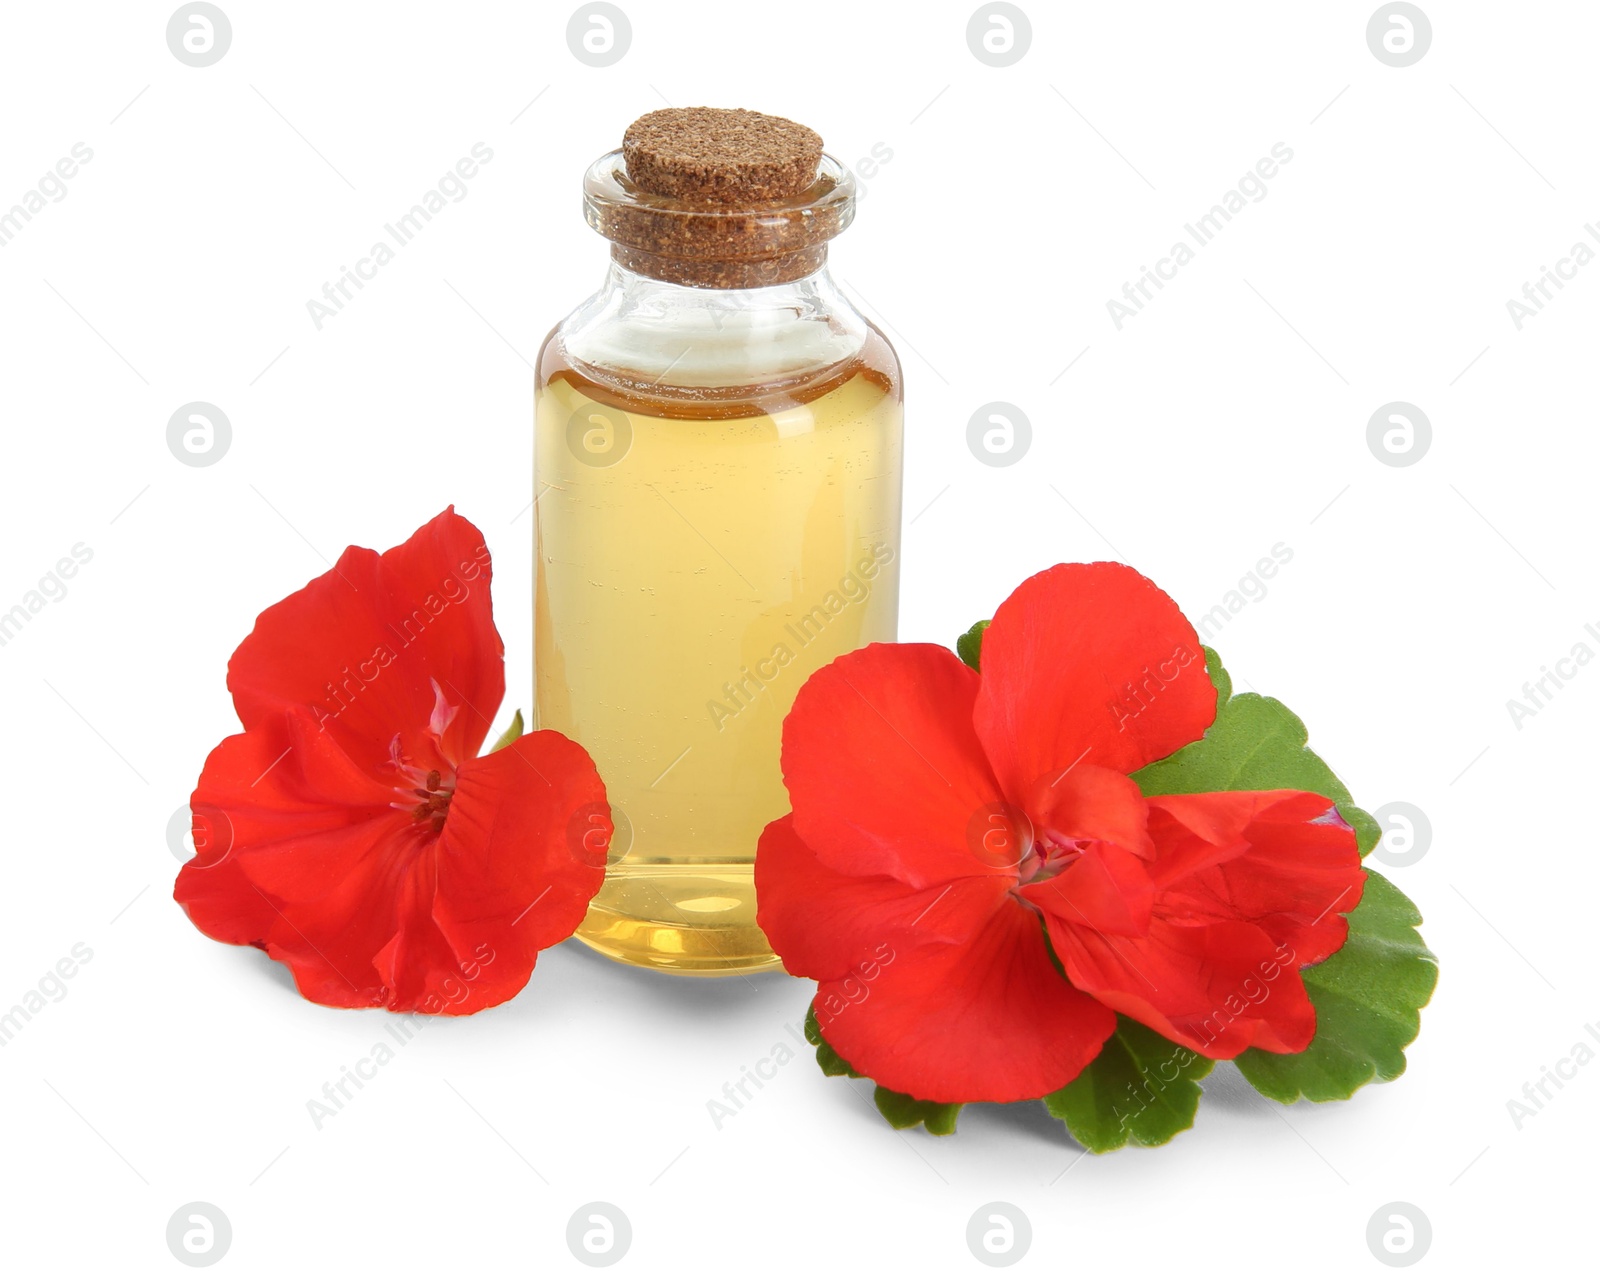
(717, 500)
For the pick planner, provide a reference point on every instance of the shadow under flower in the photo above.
(1225, 1089)
(640, 989)
(1028, 1117)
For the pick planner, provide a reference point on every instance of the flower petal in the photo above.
(1296, 868)
(987, 1020)
(1088, 664)
(1247, 885)
(1216, 989)
(1105, 889)
(298, 838)
(884, 771)
(829, 926)
(515, 871)
(1091, 802)
(373, 644)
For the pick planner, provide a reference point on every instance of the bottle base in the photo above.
(695, 920)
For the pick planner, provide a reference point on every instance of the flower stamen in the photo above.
(1052, 852)
(427, 795)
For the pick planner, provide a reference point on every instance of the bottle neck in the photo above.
(640, 329)
(722, 275)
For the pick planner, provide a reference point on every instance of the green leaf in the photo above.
(1367, 997)
(1256, 743)
(903, 1112)
(970, 645)
(828, 1059)
(1220, 679)
(1140, 1086)
(510, 735)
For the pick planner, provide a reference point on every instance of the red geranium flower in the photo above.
(979, 887)
(352, 831)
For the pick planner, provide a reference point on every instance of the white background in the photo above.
(1229, 416)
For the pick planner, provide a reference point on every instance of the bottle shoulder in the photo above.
(704, 353)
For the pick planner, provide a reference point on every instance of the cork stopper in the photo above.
(719, 198)
(703, 155)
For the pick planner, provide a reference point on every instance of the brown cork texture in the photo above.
(721, 273)
(703, 155)
(722, 198)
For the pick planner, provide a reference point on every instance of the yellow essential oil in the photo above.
(686, 587)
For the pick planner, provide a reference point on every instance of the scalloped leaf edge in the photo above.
(899, 1110)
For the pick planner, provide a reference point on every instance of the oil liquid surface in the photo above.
(697, 559)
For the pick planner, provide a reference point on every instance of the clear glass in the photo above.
(717, 482)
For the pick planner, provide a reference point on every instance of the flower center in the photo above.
(1051, 852)
(425, 793)
(435, 802)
